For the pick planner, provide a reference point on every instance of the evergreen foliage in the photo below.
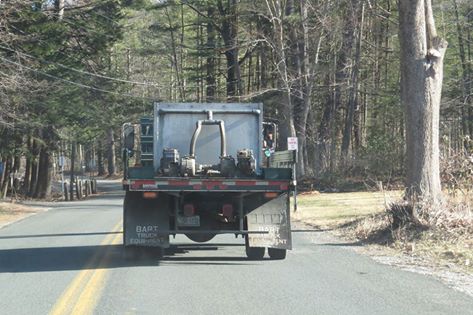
(327, 71)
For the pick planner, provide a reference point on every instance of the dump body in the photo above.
(175, 124)
(208, 174)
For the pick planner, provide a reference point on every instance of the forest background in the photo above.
(328, 71)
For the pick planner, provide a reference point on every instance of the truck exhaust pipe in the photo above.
(209, 122)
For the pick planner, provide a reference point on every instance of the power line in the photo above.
(152, 84)
(72, 82)
(82, 71)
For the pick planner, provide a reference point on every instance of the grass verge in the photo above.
(333, 210)
(379, 219)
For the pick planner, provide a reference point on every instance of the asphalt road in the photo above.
(69, 260)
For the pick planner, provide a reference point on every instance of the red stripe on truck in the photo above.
(145, 182)
(206, 184)
(178, 183)
(246, 182)
(212, 184)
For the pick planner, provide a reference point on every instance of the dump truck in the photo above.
(203, 170)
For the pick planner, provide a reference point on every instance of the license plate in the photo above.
(188, 221)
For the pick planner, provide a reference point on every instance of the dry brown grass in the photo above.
(10, 212)
(444, 235)
(332, 210)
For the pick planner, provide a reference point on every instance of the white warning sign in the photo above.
(292, 143)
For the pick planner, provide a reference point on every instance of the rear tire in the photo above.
(277, 253)
(200, 238)
(207, 223)
(253, 253)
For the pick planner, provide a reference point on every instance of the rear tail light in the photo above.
(150, 195)
(189, 210)
(227, 210)
(270, 195)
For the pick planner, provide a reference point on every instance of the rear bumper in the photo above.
(207, 185)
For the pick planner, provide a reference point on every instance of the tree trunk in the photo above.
(210, 79)
(466, 77)
(111, 152)
(470, 72)
(59, 4)
(43, 187)
(45, 169)
(175, 59)
(72, 177)
(277, 14)
(26, 182)
(229, 32)
(34, 167)
(100, 159)
(422, 54)
(343, 74)
(6, 177)
(352, 104)
(324, 133)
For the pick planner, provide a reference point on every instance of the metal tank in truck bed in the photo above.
(203, 170)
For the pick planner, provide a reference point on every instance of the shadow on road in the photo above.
(171, 255)
(90, 257)
(66, 258)
(56, 235)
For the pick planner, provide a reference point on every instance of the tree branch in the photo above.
(204, 16)
(429, 23)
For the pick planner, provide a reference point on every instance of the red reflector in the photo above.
(189, 210)
(227, 210)
(270, 195)
(150, 195)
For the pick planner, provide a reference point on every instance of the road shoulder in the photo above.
(449, 274)
(11, 212)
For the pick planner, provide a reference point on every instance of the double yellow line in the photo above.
(82, 295)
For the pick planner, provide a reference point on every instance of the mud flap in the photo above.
(272, 217)
(143, 219)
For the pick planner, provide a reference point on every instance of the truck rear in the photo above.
(203, 170)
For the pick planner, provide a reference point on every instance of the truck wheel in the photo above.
(207, 223)
(200, 238)
(253, 253)
(277, 253)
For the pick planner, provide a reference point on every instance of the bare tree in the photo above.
(277, 15)
(111, 158)
(422, 55)
(60, 9)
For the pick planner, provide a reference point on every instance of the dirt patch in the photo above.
(11, 212)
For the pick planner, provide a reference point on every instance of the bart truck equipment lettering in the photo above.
(207, 169)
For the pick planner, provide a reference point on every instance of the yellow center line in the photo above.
(93, 289)
(72, 295)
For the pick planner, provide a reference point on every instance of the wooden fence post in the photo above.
(66, 192)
